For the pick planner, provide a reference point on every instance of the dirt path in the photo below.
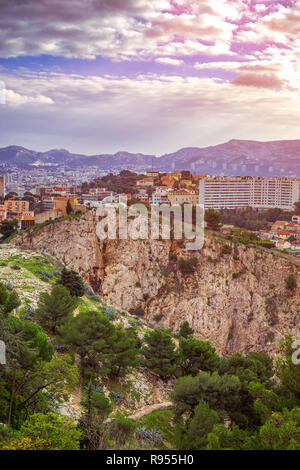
(147, 410)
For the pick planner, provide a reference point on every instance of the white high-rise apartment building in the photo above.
(240, 192)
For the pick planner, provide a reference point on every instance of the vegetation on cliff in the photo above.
(62, 346)
(236, 402)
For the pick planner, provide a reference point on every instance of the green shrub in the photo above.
(122, 429)
(226, 250)
(291, 282)
(138, 312)
(16, 267)
(188, 265)
(157, 317)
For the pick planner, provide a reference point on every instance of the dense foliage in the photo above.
(252, 219)
(8, 228)
(213, 219)
(125, 182)
(237, 402)
(73, 282)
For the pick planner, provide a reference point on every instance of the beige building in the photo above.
(145, 182)
(60, 203)
(279, 225)
(183, 197)
(12, 205)
(47, 215)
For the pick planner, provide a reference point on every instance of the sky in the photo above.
(101, 76)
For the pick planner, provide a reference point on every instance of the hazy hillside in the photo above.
(236, 157)
(243, 157)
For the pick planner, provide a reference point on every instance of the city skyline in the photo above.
(104, 76)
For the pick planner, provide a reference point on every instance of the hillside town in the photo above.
(44, 203)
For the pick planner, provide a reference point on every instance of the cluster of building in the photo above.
(175, 188)
(285, 235)
(179, 187)
(54, 202)
(51, 201)
(20, 180)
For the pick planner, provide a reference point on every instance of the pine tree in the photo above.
(125, 351)
(203, 422)
(160, 352)
(185, 330)
(12, 302)
(54, 308)
(196, 355)
(213, 219)
(73, 282)
(90, 334)
(69, 208)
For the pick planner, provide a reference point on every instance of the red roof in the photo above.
(63, 198)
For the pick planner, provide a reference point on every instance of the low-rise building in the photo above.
(159, 198)
(283, 234)
(145, 182)
(152, 174)
(47, 215)
(13, 205)
(62, 202)
(279, 225)
(282, 244)
(143, 197)
(183, 196)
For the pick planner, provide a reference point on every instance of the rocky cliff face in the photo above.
(238, 300)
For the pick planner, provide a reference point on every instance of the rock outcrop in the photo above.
(237, 298)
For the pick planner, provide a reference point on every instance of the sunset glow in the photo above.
(105, 75)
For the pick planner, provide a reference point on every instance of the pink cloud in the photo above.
(258, 81)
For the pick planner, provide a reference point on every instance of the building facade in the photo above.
(241, 192)
(2, 187)
(12, 205)
(183, 197)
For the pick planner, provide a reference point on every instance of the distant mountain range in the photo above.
(236, 157)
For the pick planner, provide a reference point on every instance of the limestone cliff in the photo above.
(237, 300)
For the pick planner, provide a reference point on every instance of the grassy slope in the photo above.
(30, 280)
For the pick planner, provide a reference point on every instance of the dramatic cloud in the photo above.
(115, 28)
(109, 74)
(148, 113)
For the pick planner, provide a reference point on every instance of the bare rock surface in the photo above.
(238, 301)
